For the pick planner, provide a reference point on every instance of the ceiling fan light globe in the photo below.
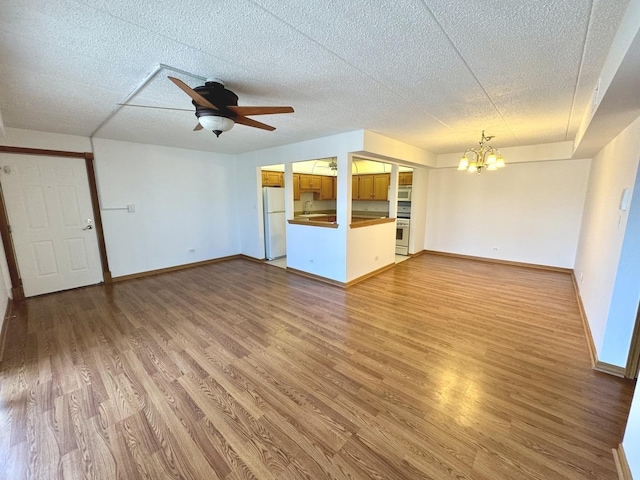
(500, 162)
(216, 123)
(464, 163)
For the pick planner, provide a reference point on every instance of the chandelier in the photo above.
(477, 159)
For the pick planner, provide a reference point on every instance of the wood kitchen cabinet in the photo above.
(373, 187)
(365, 187)
(405, 178)
(296, 186)
(272, 179)
(381, 186)
(326, 188)
(355, 187)
(310, 183)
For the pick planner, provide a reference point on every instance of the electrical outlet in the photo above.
(495, 249)
(581, 277)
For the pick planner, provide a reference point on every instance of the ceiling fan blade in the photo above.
(253, 123)
(197, 127)
(158, 108)
(259, 110)
(199, 99)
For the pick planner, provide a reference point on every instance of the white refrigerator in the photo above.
(275, 223)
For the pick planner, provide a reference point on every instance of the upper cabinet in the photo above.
(326, 188)
(405, 178)
(272, 179)
(322, 186)
(355, 187)
(371, 187)
(310, 183)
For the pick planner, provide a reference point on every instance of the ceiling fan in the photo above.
(217, 108)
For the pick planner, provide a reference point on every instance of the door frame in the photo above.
(633, 359)
(5, 233)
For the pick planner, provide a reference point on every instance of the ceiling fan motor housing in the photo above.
(215, 93)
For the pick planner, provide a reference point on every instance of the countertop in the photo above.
(354, 213)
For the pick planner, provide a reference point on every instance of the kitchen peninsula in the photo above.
(355, 222)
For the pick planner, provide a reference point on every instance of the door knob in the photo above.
(88, 227)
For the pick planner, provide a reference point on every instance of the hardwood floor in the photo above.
(439, 368)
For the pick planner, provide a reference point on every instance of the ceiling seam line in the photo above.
(468, 67)
(239, 66)
(582, 58)
(345, 60)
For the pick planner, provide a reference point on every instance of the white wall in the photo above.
(184, 200)
(625, 298)
(369, 249)
(16, 137)
(385, 148)
(419, 195)
(603, 228)
(525, 212)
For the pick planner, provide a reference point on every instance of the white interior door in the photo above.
(48, 203)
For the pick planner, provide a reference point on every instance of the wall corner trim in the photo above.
(622, 466)
(609, 368)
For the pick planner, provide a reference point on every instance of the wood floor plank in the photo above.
(238, 370)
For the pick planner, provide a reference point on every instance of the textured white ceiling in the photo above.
(432, 73)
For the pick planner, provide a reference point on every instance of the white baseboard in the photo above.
(619, 457)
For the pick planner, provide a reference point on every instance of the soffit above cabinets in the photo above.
(430, 73)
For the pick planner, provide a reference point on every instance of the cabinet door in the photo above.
(309, 183)
(355, 187)
(326, 188)
(296, 186)
(365, 187)
(272, 179)
(305, 182)
(381, 186)
(405, 178)
(335, 189)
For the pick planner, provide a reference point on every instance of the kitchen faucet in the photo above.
(307, 207)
